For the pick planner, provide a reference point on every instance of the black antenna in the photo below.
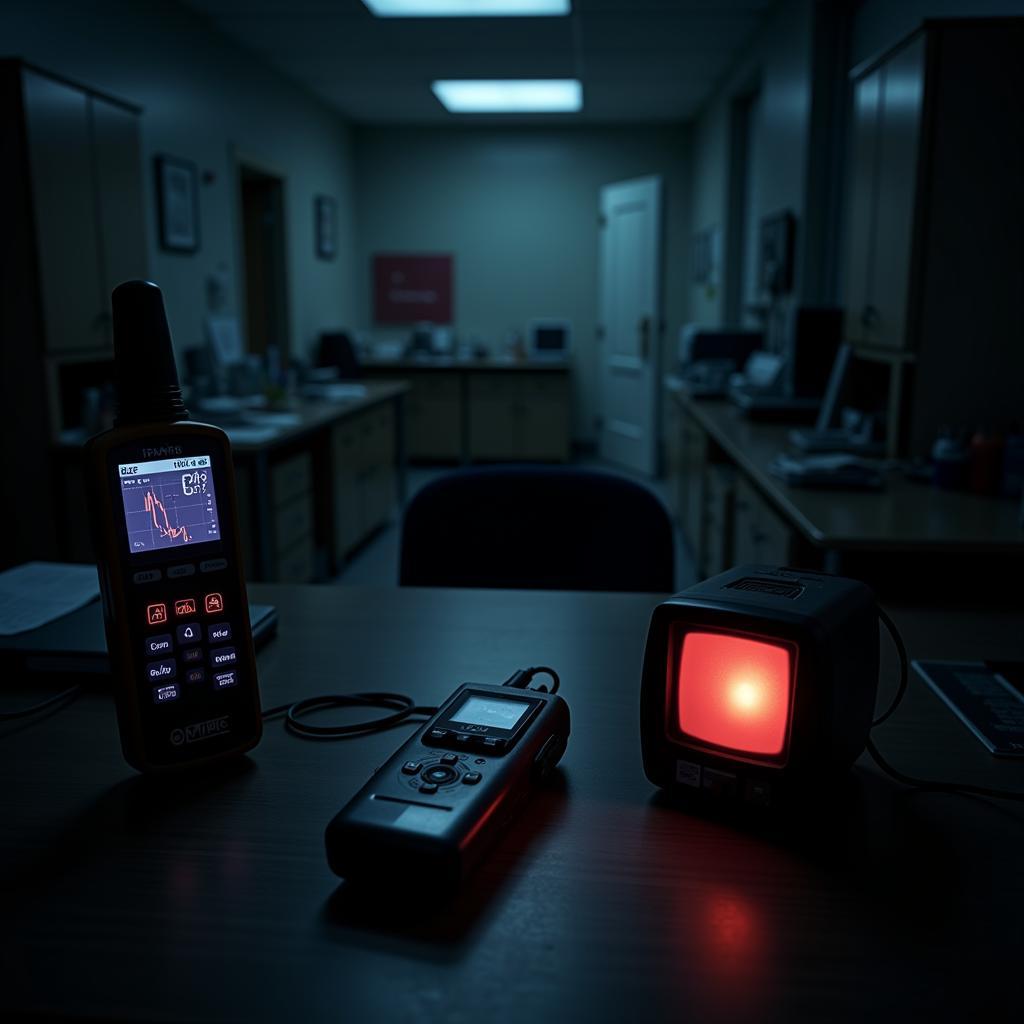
(145, 374)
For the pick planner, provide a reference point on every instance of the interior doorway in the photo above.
(264, 264)
(629, 300)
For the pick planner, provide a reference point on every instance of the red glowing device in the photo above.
(757, 683)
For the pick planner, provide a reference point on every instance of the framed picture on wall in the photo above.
(325, 219)
(177, 198)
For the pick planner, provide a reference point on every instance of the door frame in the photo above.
(237, 160)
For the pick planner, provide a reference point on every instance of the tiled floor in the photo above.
(376, 563)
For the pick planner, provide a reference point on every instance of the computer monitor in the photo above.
(548, 339)
(828, 413)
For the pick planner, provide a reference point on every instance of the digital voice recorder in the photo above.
(435, 805)
(165, 527)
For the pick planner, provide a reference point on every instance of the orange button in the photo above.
(156, 613)
(214, 604)
(186, 606)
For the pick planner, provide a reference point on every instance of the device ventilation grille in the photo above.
(778, 588)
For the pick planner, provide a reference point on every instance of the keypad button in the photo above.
(147, 576)
(223, 657)
(165, 694)
(177, 572)
(192, 655)
(411, 767)
(195, 675)
(471, 778)
(428, 788)
(161, 671)
(449, 759)
(493, 743)
(219, 633)
(213, 603)
(157, 645)
(437, 735)
(222, 680)
(213, 565)
(185, 606)
(156, 614)
(189, 633)
(440, 774)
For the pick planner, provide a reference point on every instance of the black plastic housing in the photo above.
(831, 625)
(392, 831)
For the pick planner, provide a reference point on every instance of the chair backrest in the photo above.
(537, 527)
(336, 349)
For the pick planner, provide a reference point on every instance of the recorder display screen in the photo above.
(169, 503)
(503, 714)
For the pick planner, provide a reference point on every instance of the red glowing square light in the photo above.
(735, 692)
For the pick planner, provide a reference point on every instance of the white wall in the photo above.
(203, 95)
(518, 208)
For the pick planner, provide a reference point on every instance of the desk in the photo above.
(214, 901)
(733, 510)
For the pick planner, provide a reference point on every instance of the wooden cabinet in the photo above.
(760, 534)
(435, 416)
(73, 227)
(292, 502)
(518, 415)
(886, 130)
(364, 483)
(693, 461)
(932, 254)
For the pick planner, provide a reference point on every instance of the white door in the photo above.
(629, 313)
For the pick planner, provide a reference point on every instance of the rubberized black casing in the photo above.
(391, 830)
(831, 624)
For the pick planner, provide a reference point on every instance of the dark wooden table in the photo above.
(126, 898)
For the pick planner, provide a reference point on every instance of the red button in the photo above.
(186, 606)
(156, 613)
(214, 604)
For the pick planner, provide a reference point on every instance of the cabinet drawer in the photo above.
(291, 477)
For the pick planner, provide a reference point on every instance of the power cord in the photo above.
(66, 695)
(401, 708)
(912, 780)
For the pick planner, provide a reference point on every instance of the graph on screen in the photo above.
(169, 503)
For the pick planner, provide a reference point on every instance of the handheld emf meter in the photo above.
(433, 808)
(165, 527)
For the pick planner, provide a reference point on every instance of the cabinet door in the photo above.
(119, 204)
(435, 416)
(692, 469)
(546, 398)
(497, 416)
(867, 94)
(896, 189)
(63, 200)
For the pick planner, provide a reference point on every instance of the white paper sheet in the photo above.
(39, 592)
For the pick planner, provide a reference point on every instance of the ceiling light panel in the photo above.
(514, 96)
(468, 8)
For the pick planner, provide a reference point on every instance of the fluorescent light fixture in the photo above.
(514, 96)
(468, 8)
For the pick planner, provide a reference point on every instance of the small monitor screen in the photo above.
(169, 503)
(734, 692)
(550, 339)
(493, 711)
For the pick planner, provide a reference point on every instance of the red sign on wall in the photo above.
(408, 289)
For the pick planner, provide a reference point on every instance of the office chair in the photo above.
(537, 527)
(336, 349)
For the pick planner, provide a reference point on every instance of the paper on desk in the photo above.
(39, 592)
